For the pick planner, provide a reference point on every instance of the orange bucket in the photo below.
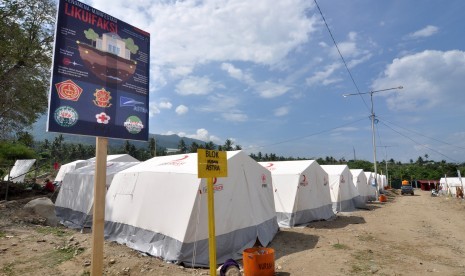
(258, 261)
(382, 198)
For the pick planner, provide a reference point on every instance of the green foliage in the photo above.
(26, 42)
(340, 246)
(182, 147)
(91, 34)
(8, 269)
(133, 48)
(9, 152)
(52, 230)
(62, 254)
(361, 164)
(152, 147)
(25, 138)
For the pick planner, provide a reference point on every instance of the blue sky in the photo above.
(267, 75)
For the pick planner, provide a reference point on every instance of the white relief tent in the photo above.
(19, 170)
(301, 192)
(69, 167)
(75, 200)
(117, 158)
(344, 195)
(72, 166)
(449, 185)
(371, 188)
(160, 207)
(363, 186)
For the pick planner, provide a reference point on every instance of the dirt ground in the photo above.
(408, 235)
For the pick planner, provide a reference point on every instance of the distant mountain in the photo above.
(165, 141)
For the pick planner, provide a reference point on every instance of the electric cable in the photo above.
(306, 136)
(340, 54)
(450, 158)
(418, 133)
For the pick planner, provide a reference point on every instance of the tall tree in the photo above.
(152, 147)
(210, 145)
(26, 42)
(182, 147)
(193, 147)
(228, 145)
(25, 138)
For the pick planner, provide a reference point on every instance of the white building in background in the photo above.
(112, 43)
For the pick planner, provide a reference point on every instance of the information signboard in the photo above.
(100, 77)
(212, 163)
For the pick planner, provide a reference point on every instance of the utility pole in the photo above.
(385, 158)
(373, 118)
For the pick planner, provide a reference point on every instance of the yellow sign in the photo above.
(212, 163)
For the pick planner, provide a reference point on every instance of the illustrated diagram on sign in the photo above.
(108, 57)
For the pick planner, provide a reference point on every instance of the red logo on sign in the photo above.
(264, 184)
(270, 167)
(68, 90)
(102, 98)
(102, 118)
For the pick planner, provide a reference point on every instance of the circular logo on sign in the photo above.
(133, 124)
(66, 116)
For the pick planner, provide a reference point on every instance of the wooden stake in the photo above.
(98, 222)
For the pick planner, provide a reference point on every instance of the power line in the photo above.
(416, 132)
(340, 54)
(420, 143)
(306, 136)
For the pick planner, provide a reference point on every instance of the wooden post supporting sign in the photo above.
(98, 222)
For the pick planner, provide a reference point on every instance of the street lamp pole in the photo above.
(372, 117)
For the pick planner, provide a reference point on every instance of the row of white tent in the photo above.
(160, 207)
(449, 185)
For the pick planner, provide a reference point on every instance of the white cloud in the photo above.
(323, 44)
(266, 89)
(181, 71)
(352, 36)
(237, 73)
(324, 77)
(425, 32)
(194, 86)
(347, 129)
(430, 79)
(348, 48)
(153, 109)
(270, 90)
(220, 102)
(181, 31)
(182, 109)
(203, 135)
(232, 71)
(356, 62)
(235, 116)
(165, 105)
(281, 111)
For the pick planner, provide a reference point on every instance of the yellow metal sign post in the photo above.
(211, 163)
